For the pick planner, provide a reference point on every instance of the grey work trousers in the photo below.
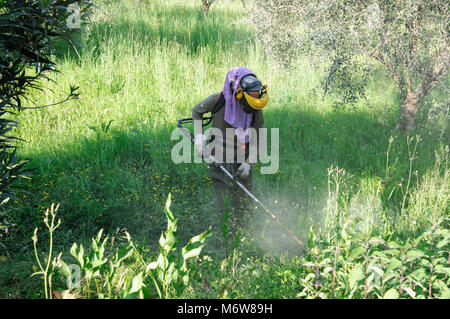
(224, 188)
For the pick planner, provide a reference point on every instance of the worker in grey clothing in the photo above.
(245, 97)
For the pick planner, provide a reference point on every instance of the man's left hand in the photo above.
(244, 170)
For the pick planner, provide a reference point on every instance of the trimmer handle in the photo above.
(185, 130)
(190, 120)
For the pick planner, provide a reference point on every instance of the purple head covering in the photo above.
(234, 114)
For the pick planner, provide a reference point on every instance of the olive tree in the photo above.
(410, 38)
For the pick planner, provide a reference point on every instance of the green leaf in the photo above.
(419, 275)
(414, 254)
(194, 247)
(162, 262)
(442, 232)
(310, 277)
(439, 284)
(124, 253)
(327, 270)
(137, 283)
(394, 252)
(169, 213)
(356, 275)
(311, 238)
(391, 294)
(358, 251)
(98, 262)
(99, 236)
(425, 262)
(445, 294)
(88, 274)
(73, 250)
(376, 240)
(393, 244)
(442, 269)
(410, 292)
(185, 279)
(170, 242)
(394, 263)
(162, 241)
(64, 268)
(145, 293)
(378, 271)
(80, 255)
(324, 262)
(151, 266)
(442, 243)
(133, 295)
(379, 254)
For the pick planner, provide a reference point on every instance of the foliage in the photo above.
(82, 167)
(45, 268)
(171, 268)
(409, 38)
(347, 79)
(97, 274)
(27, 31)
(352, 266)
(102, 275)
(356, 256)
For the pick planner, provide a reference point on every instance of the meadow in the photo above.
(346, 178)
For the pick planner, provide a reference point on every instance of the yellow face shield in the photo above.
(258, 103)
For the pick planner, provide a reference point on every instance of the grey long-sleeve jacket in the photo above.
(226, 144)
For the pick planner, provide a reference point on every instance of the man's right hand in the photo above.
(199, 144)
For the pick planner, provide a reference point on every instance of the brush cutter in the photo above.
(189, 135)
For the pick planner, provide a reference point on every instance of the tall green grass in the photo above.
(145, 64)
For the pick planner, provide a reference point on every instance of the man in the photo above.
(245, 97)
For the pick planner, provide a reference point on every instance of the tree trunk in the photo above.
(408, 111)
(414, 98)
(205, 11)
(206, 5)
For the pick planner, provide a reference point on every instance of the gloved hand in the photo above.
(199, 144)
(244, 170)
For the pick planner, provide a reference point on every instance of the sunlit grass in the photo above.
(146, 64)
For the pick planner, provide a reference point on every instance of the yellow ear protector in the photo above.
(239, 94)
(256, 103)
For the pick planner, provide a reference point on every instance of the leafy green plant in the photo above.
(102, 131)
(170, 269)
(108, 276)
(352, 264)
(47, 266)
(345, 260)
(98, 274)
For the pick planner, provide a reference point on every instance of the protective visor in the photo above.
(258, 103)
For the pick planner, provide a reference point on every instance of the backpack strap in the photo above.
(220, 102)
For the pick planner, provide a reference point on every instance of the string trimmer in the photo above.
(189, 135)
